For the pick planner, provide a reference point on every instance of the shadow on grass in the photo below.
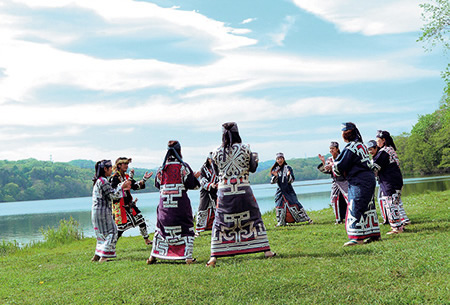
(439, 227)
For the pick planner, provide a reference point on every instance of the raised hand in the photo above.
(322, 158)
(147, 175)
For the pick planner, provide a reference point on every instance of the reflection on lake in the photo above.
(21, 221)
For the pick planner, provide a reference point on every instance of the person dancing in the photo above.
(208, 196)
(126, 214)
(353, 163)
(102, 219)
(339, 186)
(174, 236)
(288, 208)
(387, 167)
(238, 226)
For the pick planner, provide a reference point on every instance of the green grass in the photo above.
(311, 267)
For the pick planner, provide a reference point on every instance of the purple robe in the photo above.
(174, 236)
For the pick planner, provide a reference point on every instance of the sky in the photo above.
(102, 79)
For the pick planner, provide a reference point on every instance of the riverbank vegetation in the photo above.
(31, 179)
(311, 267)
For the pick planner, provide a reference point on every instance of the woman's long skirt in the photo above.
(206, 212)
(362, 219)
(105, 231)
(238, 226)
(288, 209)
(174, 236)
(339, 200)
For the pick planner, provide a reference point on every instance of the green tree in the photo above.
(436, 31)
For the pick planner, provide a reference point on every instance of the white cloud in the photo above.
(278, 38)
(195, 113)
(29, 66)
(151, 17)
(368, 17)
(248, 20)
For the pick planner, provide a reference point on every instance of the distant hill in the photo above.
(83, 163)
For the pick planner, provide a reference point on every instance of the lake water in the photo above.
(21, 221)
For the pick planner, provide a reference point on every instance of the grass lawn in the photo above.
(311, 266)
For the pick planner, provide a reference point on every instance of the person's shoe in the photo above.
(395, 231)
(270, 255)
(148, 242)
(405, 223)
(353, 242)
(103, 260)
(212, 262)
(190, 261)
(310, 221)
(151, 260)
(95, 258)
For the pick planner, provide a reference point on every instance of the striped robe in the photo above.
(102, 218)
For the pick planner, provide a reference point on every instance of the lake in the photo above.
(22, 220)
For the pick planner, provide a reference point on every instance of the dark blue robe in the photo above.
(354, 164)
(288, 208)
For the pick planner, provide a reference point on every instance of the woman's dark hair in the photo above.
(100, 169)
(276, 164)
(349, 135)
(177, 147)
(383, 134)
(173, 152)
(230, 134)
(207, 163)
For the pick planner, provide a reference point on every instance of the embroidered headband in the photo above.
(280, 155)
(334, 144)
(371, 144)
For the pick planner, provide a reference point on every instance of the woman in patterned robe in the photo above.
(354, 164)
(288, 208)
(339, 187)
(102, 219)
(174, 236)
(238, 226)
(208, 196)
(387, 168)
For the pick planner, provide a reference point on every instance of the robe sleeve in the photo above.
(343, 163)
(253, 161)
(380, 161)
(206, 183)
(189, 180)
(291, 177)
(108, 190)
(274, 179)
(137, 185)
(158, 178)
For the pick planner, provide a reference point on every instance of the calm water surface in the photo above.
(21, 221)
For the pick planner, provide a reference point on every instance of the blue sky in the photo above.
(103, 79)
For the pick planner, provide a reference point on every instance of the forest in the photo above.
(423, 151)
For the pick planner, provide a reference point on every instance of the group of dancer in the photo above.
(228, 206)
(353, 187)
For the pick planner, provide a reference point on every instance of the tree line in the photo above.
(31, 179)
